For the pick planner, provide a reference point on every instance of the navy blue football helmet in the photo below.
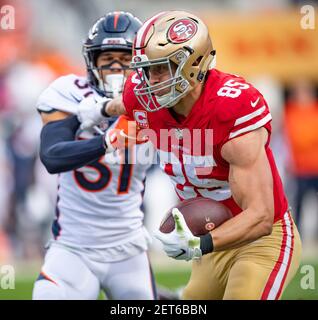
(113, 32)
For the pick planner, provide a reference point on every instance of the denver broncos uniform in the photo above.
(189, 149)
(98, 215)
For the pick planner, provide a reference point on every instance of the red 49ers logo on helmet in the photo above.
(182, 30)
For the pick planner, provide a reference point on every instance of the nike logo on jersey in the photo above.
(123, 134)
(254, 104)
(141, 139)
(180, 254)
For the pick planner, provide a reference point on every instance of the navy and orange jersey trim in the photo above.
(44, 276)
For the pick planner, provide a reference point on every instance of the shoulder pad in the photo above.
(64, 94)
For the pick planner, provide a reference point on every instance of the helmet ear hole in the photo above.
(197, 62)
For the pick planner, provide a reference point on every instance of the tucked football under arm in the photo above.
(251, 183)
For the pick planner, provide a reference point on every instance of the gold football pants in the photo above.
(259, 270)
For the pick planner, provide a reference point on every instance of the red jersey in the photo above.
(189, 147)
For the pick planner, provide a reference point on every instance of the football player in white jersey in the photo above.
(99, 239)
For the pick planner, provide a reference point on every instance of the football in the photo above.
(201, 215)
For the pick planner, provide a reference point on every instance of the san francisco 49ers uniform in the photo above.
(189, 149)
(99, 240)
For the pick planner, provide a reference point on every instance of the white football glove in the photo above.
(89, 112)
(180, 244)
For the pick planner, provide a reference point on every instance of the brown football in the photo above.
(201, 215)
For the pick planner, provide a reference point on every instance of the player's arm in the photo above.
(251, 184)
(114, 107)
(59, 151)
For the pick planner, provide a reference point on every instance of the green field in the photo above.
(169, 279)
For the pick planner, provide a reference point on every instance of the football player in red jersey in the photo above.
(176, 89)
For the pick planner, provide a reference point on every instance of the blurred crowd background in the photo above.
(261, 40)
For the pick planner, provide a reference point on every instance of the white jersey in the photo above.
(98, 206)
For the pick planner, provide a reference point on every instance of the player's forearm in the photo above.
(59, 152)
(244, 228)
(114, 107)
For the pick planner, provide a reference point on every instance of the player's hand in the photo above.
(123, 133)
(180, 244)
(89, 112)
